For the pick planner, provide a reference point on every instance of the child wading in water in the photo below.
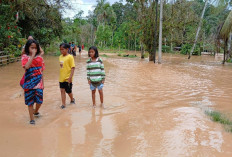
(95, 74)
(33, 81)
(67, 67)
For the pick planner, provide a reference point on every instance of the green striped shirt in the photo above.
(95, 70)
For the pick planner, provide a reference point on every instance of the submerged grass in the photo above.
(104, 55)
(130, 56)
(219, 117)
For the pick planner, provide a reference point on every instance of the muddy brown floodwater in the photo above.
(151, 111)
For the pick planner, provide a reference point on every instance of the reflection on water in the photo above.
(151, 110)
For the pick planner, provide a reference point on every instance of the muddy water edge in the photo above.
(151, 110)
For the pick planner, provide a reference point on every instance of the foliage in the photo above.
(9, 30)
(103, 35)
(229, 60)
(43, 22)
(166, 48)
(41, 19)
(186, 48)
(129, 25)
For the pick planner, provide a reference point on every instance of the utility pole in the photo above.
(160, 32)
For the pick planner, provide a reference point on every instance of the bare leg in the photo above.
(37, 108)
(71, 96)
(93, 97)
(31, 111)
(63, 96)
(101, 95)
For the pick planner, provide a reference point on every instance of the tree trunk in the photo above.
(229, 46)
(112, 39)
(142, 51)
(173, 2)
(128, 45)
(135, 42)
(160, 32)
(156, 27)
(204, 42)
(92, 34)
(171, 48)
(198, 30)
(165, 41)
(225, 50)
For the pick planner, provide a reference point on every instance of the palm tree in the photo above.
(104, 12)
(224, 33)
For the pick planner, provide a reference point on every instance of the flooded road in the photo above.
(151, 111)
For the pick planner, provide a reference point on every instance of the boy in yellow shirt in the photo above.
(67, 67)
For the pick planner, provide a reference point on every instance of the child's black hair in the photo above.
(28, 44)
(65, 45)
(96, 51)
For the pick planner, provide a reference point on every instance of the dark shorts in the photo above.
(33, 96)
(74, 53)
(67, 86)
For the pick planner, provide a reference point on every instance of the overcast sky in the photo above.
(84, 5)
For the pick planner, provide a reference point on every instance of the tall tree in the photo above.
(198, 29)
(156, 24)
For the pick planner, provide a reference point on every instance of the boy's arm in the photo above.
(71, 75)
(72, 64)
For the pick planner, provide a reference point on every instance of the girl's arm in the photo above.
(28, 64)
(23, 51)
(88, 76)
(41, 51)
(103, 72)
(43, 79)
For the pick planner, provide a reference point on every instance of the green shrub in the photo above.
(186, 48)
(229, 60)
(166, 48)
(10, 49)
(57, 53)
(130, 56)
(17, 53)
(146, 55)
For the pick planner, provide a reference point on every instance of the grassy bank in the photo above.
(221, 118)
(124, 53)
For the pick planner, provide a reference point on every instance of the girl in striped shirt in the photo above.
(95, 74)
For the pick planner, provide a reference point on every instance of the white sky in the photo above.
(84, 5)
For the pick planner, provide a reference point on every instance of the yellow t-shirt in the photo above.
(66, 64)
